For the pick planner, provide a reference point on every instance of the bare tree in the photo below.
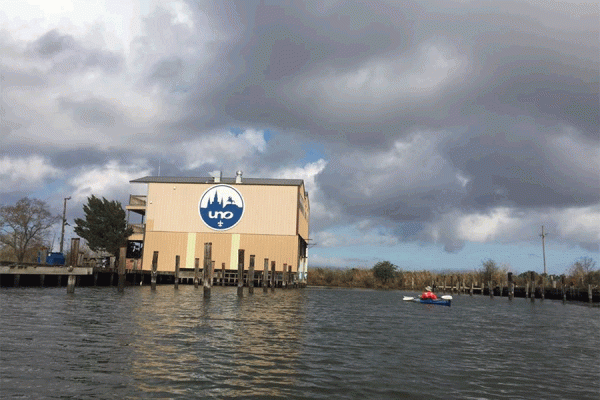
(489, 271)
(24, 224)
(581, 271)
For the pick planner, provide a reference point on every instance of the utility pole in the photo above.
(543, 235)
(64, 221)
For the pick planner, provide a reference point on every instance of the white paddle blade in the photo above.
(447, 297)
(406, 298)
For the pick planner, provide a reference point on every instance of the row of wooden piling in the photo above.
(288, 278)
(530, 288)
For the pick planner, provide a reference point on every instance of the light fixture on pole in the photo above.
(64, 221)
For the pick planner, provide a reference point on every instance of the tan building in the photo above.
(268, 218)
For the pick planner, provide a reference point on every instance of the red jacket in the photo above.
(428, 295)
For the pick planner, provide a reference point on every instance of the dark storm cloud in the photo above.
(15, 78)
(53, 43)
(70, 56)
(522, 63)
(422, 108)
(281, 46)
(93, 113)
(521, 170)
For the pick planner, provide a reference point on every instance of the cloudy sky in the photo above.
(434, 134)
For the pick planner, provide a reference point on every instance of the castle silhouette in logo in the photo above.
(221, 212)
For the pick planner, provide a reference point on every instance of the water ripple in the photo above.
(312, 343)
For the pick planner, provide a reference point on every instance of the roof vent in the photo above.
(217, 176)
(238, 177)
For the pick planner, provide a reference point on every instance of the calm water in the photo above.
(311, 343)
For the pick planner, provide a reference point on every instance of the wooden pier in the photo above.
(30, 274)
(13, 274)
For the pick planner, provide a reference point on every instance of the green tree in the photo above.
(105, 226)
(384, 271)
(25, 225)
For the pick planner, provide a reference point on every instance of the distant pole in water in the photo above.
(240, 279)
(543, 235)
(265, 279)
(251, 275)
(207, 270)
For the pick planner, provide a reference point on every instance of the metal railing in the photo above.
(138, 228)
(137, 200)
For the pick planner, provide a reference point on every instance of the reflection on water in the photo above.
(311, 343)
(224, 346)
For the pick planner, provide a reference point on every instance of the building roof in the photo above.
(210, 179)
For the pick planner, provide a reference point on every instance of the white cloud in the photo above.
(109, 180)
(321, 209)
(504, 225)
(337, 262)
(580, 224)
(308, 173)
(362, 233)
(120, 20)
(221, 148)
(486, 227)
(18, 174)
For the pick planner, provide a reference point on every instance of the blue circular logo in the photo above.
(221, 207)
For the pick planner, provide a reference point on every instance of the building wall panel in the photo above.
(267, 210)
(169, 245)
(281, 249)
(303, 213)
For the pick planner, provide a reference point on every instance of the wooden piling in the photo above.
(95, 279)
(208, 269)
(563, 288)
(265, 280)
(471, 291)
(16, 280)
(122, 260)
(272, 276)
(291, 279)
(74, 252)
(491, 289)
(543, 287)
(532, 276)
(196, 272)
(590, 293)
(251, 275)
(284, 276)
(222, 274)
(154, 272)
(511, 286)
(71, 281)
(176, 280)
(240, 283)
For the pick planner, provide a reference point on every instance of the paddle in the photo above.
(445, 297)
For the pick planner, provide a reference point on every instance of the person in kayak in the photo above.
(428, 294)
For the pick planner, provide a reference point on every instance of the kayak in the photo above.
(440, 302)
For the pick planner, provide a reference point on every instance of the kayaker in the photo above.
(428, 294)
